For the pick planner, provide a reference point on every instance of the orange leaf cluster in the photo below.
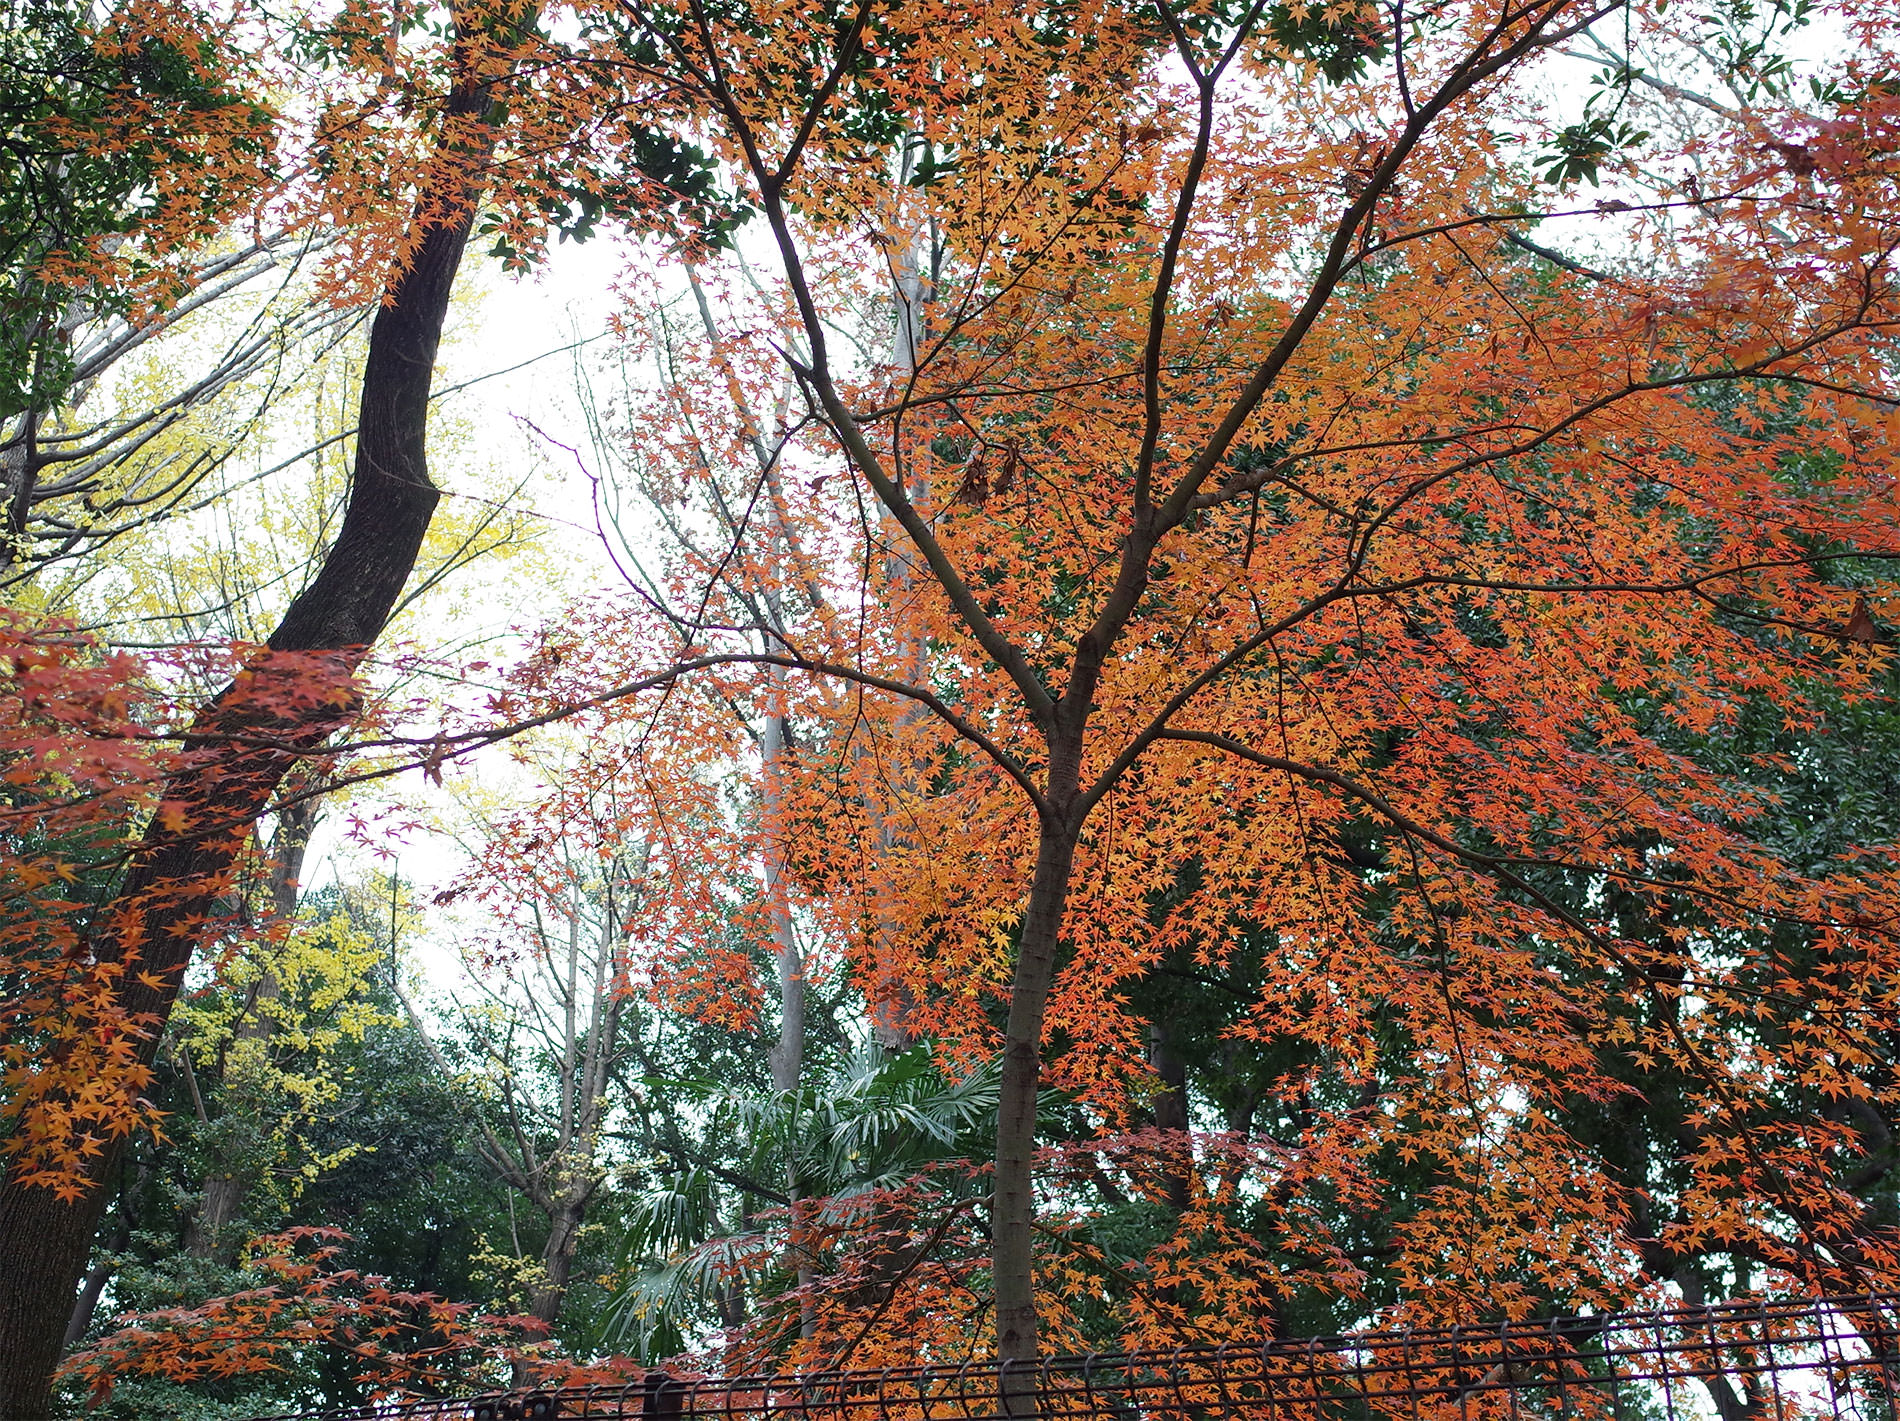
(78, 764)
(402, 1343)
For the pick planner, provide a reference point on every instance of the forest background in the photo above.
(1205, 668)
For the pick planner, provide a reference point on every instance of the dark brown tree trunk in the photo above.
(293, 696)
(1171, 1113)
(1013, 1209)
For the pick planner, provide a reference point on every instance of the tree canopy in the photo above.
(1251, 683)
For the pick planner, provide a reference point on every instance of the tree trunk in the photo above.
(788, 1057)
(892, 1001)
(1013, 1209)
(93, 1286)
(1171, 1114)
(219, 1202)
(557, 1259)
(565, 1214)
(209, 805)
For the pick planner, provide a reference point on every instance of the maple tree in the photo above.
(1315, 566)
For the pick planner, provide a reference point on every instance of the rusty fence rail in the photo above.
(1803, 1360)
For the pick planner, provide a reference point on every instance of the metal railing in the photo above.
(1833, 1358)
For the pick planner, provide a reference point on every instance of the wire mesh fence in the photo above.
(1832, 1358)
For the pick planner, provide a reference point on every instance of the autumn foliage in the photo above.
(400, 1342)
(79, 764)
(1228, 495)
(1284, 570)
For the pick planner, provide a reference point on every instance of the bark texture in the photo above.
(1013, 1209)
(788, 1056)
(1171, 1110)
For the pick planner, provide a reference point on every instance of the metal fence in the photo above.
(1834, 1358)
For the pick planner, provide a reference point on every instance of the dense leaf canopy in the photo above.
(1254, 681)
